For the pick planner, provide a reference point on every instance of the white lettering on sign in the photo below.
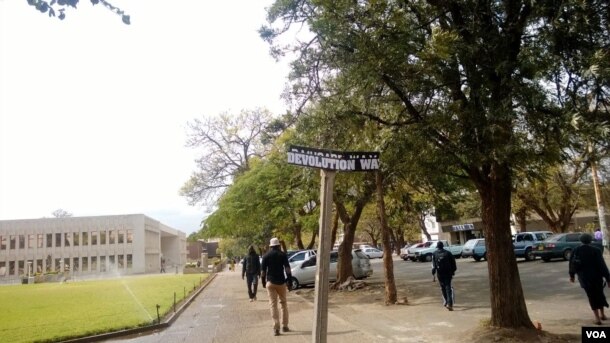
(352, 161)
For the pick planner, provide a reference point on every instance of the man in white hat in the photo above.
(275, 277)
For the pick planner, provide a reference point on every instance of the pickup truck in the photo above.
(525, 241)
(425, 254)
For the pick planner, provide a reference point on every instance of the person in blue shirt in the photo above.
(275, 277)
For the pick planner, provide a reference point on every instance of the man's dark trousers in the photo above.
(445, 283)
(252, 281)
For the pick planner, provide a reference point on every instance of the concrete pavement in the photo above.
(223, 313)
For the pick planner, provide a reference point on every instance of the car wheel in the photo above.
(369, 256)
(546, 259)
(295, 283)
(428, 258)
(477, 258)
(529, 255)
(567, 254)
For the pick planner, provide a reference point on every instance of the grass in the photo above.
(49, 312)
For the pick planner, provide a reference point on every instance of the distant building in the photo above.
(88, 246)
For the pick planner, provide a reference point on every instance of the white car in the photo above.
(372, 252)
(304, 272)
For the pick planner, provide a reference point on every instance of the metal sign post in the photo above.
(329, 162)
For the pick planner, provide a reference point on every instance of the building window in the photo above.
(21, 266)
(129, 261)
(85, 239)
(13, 241)
(31, 241)
(39, 266)
(58, 240)
(3, 242)
(40, 241)
(49, 240)
(75, 264)
(111, 237)
(102, 264)
(3, 268)
(121, 261)
(48, 264)
(85, 264)
(58, 264)
(67, 239)
(129, 236)
(21, 241)
(67, 266)
(76, 240)
(93, 237)
(121, 236)
(102, 237)
(111, 264)
(11, 268)
(93, 263)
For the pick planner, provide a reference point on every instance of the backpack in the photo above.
(443, 262)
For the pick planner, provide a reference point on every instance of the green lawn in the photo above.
(55, 311)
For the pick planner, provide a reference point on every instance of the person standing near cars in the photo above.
(588, 263)
(275, 276)
(251, 269)
(443, 266)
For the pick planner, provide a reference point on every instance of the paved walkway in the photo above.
(222, 313)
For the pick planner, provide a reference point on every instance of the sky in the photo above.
(93, 112)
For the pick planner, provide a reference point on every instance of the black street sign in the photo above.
(333, 160)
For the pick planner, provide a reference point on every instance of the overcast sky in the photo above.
(93, 112)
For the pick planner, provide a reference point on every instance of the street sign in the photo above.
(333, 160)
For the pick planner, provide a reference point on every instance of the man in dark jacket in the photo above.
(276, 276)
(588, 263)
(443, 266)
(251, 269)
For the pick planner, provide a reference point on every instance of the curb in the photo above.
(168, 320)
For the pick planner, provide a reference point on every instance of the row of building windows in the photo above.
(83, 264)
(66, 239)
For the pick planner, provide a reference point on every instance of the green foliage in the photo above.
(59, 311)
(58, 7)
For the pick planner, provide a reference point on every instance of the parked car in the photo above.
(525, 241)
(475, 248)
(425, 254)
(304, 273)
(300, 256)
(372, 252)
(414, 248)
(405, 250)
(561, 245)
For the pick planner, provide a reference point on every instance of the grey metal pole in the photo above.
(320, 323)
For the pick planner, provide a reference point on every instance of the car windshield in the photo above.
(471, 243)
(427, 244)
(554, 238)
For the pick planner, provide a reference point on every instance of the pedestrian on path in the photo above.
(251, 269)
(588, 263)
(598, 234)
(275, 276)
(443, 266)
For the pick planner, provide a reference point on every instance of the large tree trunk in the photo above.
(508, 307)
(344, 265)
(422, 225)
(296, 231)
(388, 265)
(397, 235)
(333, 233)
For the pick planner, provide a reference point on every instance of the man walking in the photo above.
(276, 277)
(251, 268)
(443, 265)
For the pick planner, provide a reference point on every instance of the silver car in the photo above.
(304, 273)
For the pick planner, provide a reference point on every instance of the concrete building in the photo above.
(89, 246)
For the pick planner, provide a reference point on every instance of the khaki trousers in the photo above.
(275, 293)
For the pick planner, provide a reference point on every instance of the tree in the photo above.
(59, 6)
(227, 145)
(462, 82)
(60, 213)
